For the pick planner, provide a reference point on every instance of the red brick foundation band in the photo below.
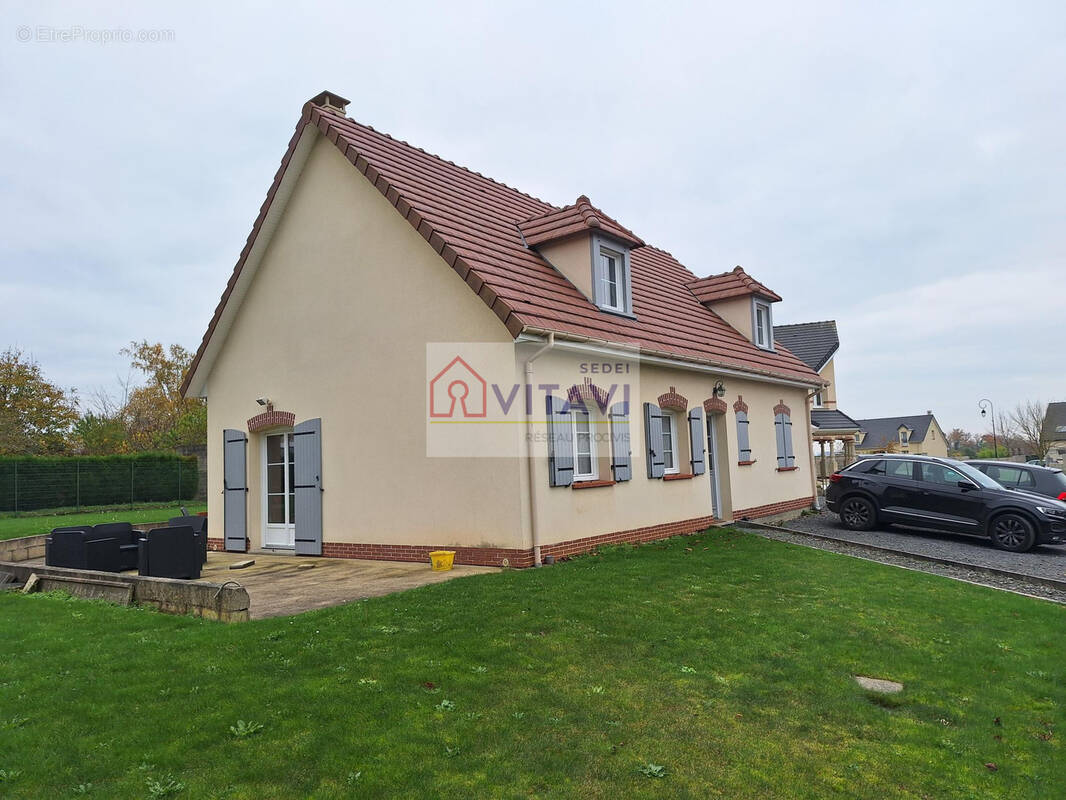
(784, 507)
(513, 557)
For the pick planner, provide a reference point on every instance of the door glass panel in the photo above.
(275, 478)
(276, 508)
(941, 475)
(292, 509)
(899, 469)
(275, 454)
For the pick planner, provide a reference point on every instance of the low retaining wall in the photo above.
(171, 596)
(22, 549)
(208, 600)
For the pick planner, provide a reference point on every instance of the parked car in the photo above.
(946, 495)
(1030, 477)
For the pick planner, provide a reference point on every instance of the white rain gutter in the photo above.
(534, 532)
(587, 344)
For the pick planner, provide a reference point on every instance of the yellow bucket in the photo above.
(442, 560)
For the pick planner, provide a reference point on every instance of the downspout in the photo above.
(534, 533)
(810, 443)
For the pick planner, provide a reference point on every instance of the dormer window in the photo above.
(612, 278)
(762, 325)
(904, 437)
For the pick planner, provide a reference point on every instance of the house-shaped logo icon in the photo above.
(458, 386)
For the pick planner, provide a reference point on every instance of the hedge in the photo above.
(28, 483)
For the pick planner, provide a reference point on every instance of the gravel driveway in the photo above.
(1043, 561)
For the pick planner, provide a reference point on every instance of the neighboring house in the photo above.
(920, 434)
(378, 276)
(1055, 433)
(816, 343)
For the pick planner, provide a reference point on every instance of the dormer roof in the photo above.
(735, 283)
(579, 217)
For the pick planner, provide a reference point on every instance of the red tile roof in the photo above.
(472, 222)
(735, 283)
(580, 218)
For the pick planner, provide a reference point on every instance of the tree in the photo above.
(156, 415)
(1028, 419)
(962, 443)
(35, 415)
(100, 435)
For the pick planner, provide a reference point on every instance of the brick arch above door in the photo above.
(271, 419)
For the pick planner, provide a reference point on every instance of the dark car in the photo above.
(1027, 477)
(945, 495)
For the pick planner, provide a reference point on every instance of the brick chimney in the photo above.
(330, 101)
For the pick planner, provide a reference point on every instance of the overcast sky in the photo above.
(901, 171)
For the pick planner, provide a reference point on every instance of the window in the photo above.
(762, 325)
(611, 288)
(870, 467)
(670, 455)
(743, 445)
(1012, 476)
(941, 475)
(585, 468)
(818, 400)
(904, 437)
(900, 469)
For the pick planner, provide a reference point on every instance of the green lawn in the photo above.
(721, 662)
(28, 525)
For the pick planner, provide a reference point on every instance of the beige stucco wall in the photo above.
(566, 513)
(829, 393)
(335, 325)
(737, 312)
(573, 258)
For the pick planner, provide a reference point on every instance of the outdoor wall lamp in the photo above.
(719, 389)
(263, 401)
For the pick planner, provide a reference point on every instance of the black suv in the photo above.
(1027, 477)
(942, 494)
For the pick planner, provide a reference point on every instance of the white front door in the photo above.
(279, 528)
(712, 465)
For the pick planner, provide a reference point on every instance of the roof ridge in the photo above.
(802, 324)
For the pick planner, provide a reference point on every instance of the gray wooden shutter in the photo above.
(743, 445)
(621, 465)
(790, 456)
(653, 437)
(779, 435)
(696, 441)
(560, 442)
(307, 483)
(235, 490)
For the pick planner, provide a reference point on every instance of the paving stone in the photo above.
(879, 685)
(306, 565)
(242, 564)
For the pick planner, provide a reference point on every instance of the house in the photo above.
(411, 356)
(1054, 432)
(920, 434)
(816, 343)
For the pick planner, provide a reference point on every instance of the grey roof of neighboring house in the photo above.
(829, 419)
(1055, 422)
(812, 342)
(880, 432)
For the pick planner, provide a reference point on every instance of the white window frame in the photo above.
(904, 437)
(767, 330)
(601, 249)
(817, 400)
(670, 421)
(277, 535)
(576, 412)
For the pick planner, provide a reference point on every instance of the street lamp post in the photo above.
(982, 405)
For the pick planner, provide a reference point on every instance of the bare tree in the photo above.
(1028, 419)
